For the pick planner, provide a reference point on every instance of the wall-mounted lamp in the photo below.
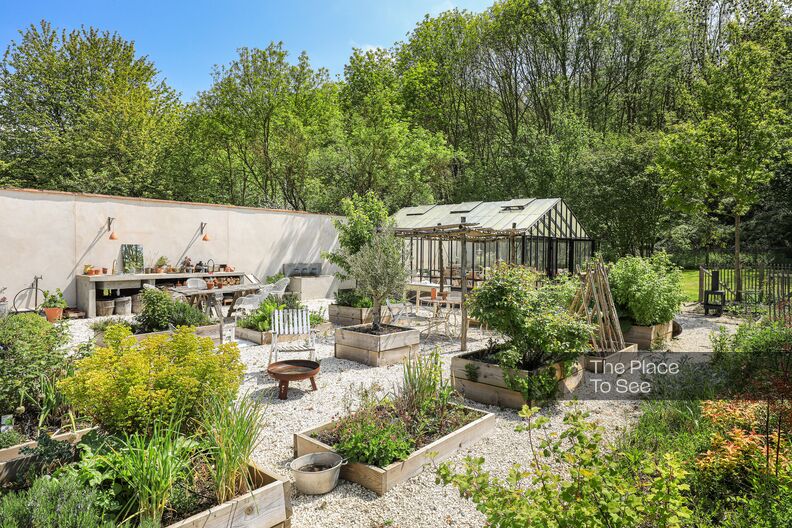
(206, 237)
(110, 221)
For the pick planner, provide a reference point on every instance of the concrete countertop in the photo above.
(154, 276)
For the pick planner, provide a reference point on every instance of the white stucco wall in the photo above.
(54, 234)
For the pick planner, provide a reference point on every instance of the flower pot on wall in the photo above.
(53, 314)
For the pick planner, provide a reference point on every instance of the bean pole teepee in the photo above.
(594, 301)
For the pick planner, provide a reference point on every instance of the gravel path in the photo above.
(419, 502)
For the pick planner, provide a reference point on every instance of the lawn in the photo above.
(690, 285)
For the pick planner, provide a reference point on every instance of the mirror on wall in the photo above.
(132, 258)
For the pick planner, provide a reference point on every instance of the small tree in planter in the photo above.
(380, 273)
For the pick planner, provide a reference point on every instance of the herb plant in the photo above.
(647, 290)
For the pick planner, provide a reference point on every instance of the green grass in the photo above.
(690, 285)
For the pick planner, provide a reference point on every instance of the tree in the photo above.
(80, 111)
(379, 271)
(721, 161)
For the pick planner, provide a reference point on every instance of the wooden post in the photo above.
(463, 307)
(440, 261)
(701, 284)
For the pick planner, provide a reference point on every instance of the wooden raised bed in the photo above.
(645, 336)
(267, 506)
(349, 315)
(376, 350)
(380, 480)
(212, 330)
(490, 387)
(595, 363)
(265, 338)
(13, 462)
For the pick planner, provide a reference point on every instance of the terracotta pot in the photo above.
(53, 314)
(157, 270)
(210, 285)
(104, 271)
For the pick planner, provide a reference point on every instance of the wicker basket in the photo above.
(104, 308)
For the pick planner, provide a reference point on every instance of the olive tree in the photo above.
(379, 270)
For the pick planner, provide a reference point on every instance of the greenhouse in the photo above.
(541, 233)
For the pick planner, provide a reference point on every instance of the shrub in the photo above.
(10, 438)
(352, 298)
(755, 351)
(648, 290)
(30, 348)
(272, 279)
(598, 492)
(52, 503)
(160, 311)
(104, 324)
(261, 318)
(373, 437)
(129, 384)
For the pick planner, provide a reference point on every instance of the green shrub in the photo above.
(353, 298)
(648, 290)
(10, 438)
(159, 311)
(104, 324)
(598, 493)
(52, 503)
(372, 437)
(755, 350)
(260, 319)
(29, 348)
(129, 384)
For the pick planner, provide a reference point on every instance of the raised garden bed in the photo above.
(596, 363)
(349, 315)
(265, 338)
(267, 506)
(646, 336)
(484, 382)
(356, 343)
(13, 462)
(212, 330)
(380, 480)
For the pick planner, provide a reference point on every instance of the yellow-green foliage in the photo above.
(128, 384)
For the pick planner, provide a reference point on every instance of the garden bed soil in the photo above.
(596, 364)
(380, 480)
(212, 330)
(13, 462)
(388, 347)
(646, 336)
(349, 315)
(265, 338)
(267, 506)
(478, 377)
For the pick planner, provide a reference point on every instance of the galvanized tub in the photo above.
(317, 482)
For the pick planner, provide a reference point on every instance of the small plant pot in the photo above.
(104, 271)
(317, 481)
(53, 314)
(210, 286)
(158, 270)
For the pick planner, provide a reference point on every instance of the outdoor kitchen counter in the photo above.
(87, 285)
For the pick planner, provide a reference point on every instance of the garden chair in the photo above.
(401, 311)
(197, 283)
(292, 323)
(279, 288)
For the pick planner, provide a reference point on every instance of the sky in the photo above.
(185, 39)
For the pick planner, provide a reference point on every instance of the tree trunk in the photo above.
(376, 314)
(737, 267)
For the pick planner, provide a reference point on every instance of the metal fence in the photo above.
(765, 288)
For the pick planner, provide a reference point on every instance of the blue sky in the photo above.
(185, 39)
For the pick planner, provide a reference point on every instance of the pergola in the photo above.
(457, 244)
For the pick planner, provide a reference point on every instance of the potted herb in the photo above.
(647, 293)
(159, 266)
(544, 342)
(53, 305)
(379, 272)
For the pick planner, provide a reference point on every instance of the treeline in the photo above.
(582, 99)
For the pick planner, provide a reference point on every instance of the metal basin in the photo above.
(317, 482)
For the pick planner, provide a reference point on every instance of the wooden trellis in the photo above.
(594, 301)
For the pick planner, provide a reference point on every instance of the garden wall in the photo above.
(54, 233)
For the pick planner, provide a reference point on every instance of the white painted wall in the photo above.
(54, 234)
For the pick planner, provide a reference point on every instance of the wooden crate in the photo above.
(268, 506)
(595, 363)
(349, 315)
(13, 462)
(376, 350)
(380, 480)
(488, 385)
(645, 336)
(265, 338)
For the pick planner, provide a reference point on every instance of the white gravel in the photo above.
(419, 502)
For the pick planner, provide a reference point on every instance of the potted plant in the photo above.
(159, 266)
(544, 341)
(3, 302)
(379, 271)
(647, 293)
(53, 305)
